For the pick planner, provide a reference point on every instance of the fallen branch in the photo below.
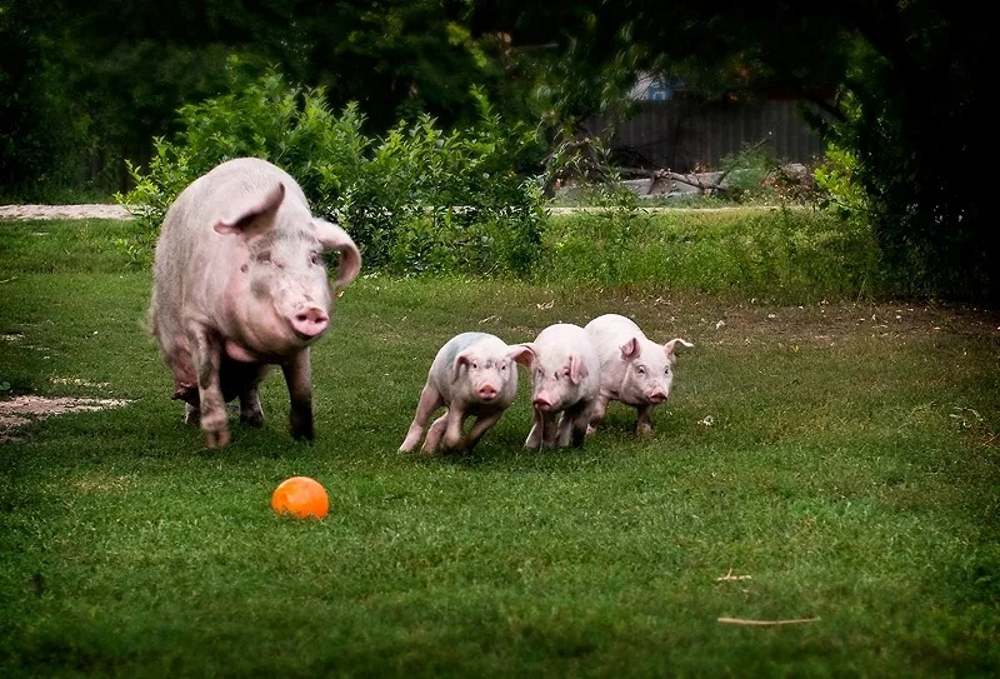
(766, 623)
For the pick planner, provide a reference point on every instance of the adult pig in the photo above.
(239, 285)
(634, 369)
(566, 383)
(472, 375)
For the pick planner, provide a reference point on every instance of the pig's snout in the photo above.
(311, 322)
(487, 391)
(657, 396)
(542, 402)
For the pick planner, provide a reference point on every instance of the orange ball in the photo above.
(301, 497)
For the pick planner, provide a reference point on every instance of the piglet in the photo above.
(634, 370)
(472, 375)
(566, 383)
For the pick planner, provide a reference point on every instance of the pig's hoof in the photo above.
(411, 440)
(303, 433)
(644, 430)
(255, 419)
(216, 439)
(192, 415)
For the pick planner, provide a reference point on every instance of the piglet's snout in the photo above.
(657, 396)
(542, 402)
(487, 391)
(310, 322)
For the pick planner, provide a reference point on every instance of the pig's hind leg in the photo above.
(430, 400)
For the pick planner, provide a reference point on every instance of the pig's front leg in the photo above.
(434, 433)
(298, 377)
(207, 355)
(534, 440)
(573, 428)
(430, 400)
(453, 421)
(480, 427)
(644, 426)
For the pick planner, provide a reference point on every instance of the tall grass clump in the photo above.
(418, 199)
(780, 254)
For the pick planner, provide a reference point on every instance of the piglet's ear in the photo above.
(669, 346)
(333, 237)
(631, 350)
(525, 354)
(240, 217)
(463, 359)
(577, 369)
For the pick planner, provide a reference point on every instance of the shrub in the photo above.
(418, 200)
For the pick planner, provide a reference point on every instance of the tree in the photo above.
(107, 77)
(911, 81)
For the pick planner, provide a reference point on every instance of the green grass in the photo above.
(779, 254)
(842, 455)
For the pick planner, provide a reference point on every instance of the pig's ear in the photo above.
(631, 350)
(524, 354)
(577, 369)
(333, 237)
(672, 344)
(463, 359)
(241, 216)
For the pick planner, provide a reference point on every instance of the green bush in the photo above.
(418, 200)
(430, 200)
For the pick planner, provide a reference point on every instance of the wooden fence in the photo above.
(690, 136)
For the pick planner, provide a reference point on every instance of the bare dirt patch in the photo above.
(22, 410)
(87, 211)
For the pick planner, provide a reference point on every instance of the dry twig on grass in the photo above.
(766, 623)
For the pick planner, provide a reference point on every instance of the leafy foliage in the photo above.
(418, 200)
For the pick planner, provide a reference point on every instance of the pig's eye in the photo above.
(503, 366)
(264, 257)
(316, 258)
(641, 369)
(666, 371)
(565, 372)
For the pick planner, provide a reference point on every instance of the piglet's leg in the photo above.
(453, 421)
(298, 377)
(480, 427)
(573, 429)
(435, 433)
(644, 426)
(600, 410)
(534, 440)
(430, 400)
(213, 418)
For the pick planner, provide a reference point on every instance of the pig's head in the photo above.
(281, 293)
(648, 370)
(488, 371)
(556, 377)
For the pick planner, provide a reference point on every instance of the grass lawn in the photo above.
(834, 466)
